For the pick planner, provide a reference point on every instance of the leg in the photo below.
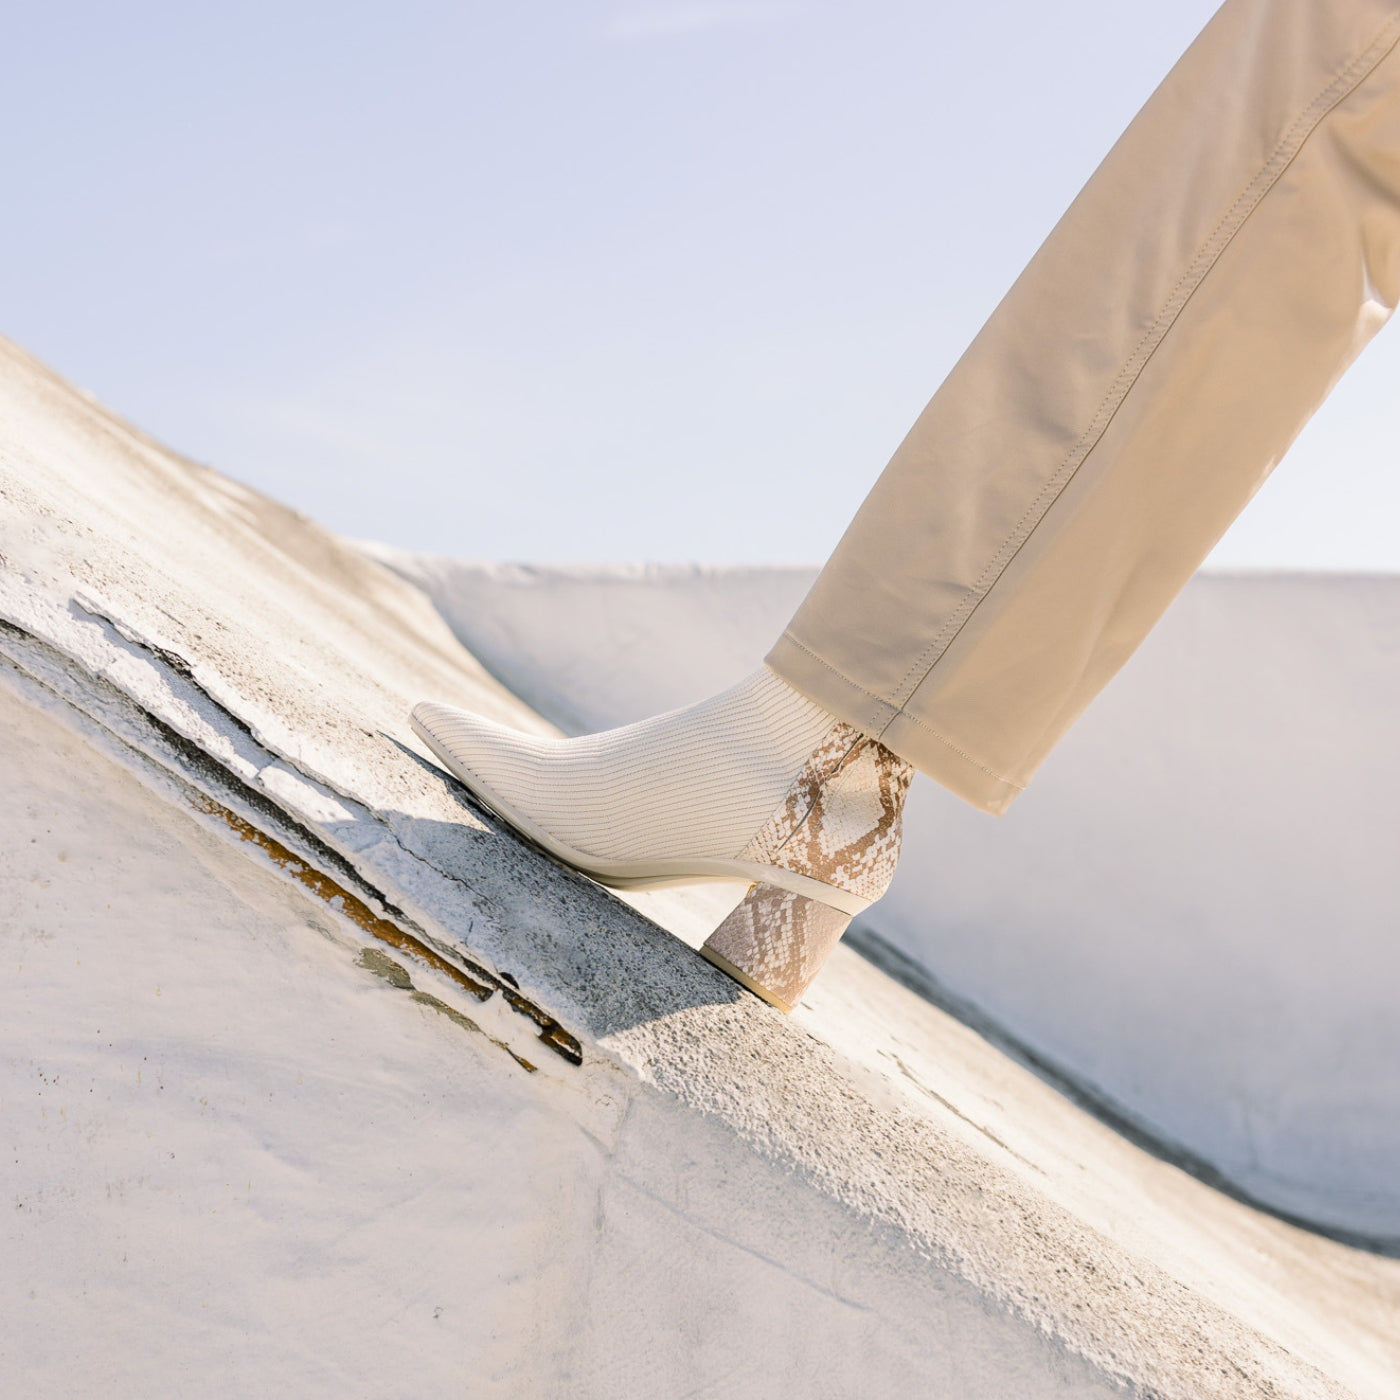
(1192, 309)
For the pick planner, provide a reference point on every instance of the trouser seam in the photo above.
(1339, 87)
(872, 729)
(961, 753)
(878, 732)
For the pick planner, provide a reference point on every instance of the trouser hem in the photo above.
(915, 742)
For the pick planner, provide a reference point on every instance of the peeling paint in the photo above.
(359, 913)
(372, 960)
(194, 762)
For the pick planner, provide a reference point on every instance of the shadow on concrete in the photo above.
(598, 964)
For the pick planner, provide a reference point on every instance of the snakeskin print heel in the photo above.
(831, 847)
(775, 943)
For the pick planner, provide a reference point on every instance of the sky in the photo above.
(581, 281)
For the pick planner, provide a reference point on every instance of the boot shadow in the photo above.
(587, 955)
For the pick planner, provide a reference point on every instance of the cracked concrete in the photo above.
(717, 1198)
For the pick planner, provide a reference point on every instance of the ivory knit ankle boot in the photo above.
(757, 783)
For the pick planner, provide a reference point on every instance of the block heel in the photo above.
(775, 942)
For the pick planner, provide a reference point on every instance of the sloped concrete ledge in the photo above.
(867, 1190)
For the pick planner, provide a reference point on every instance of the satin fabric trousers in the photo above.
(1222, 267)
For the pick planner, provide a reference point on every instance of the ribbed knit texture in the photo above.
(697, 782)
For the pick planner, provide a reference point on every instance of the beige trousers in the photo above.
(1224, 265)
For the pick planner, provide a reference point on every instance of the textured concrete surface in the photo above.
(527, 1105)
(1189, 914)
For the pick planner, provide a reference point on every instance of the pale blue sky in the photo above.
(580, 281)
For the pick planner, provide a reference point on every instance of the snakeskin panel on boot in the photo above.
(840, 823)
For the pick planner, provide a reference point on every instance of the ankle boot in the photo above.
(757, 783)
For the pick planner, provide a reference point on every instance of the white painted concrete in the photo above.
(1192, 910)
(247, 1156)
